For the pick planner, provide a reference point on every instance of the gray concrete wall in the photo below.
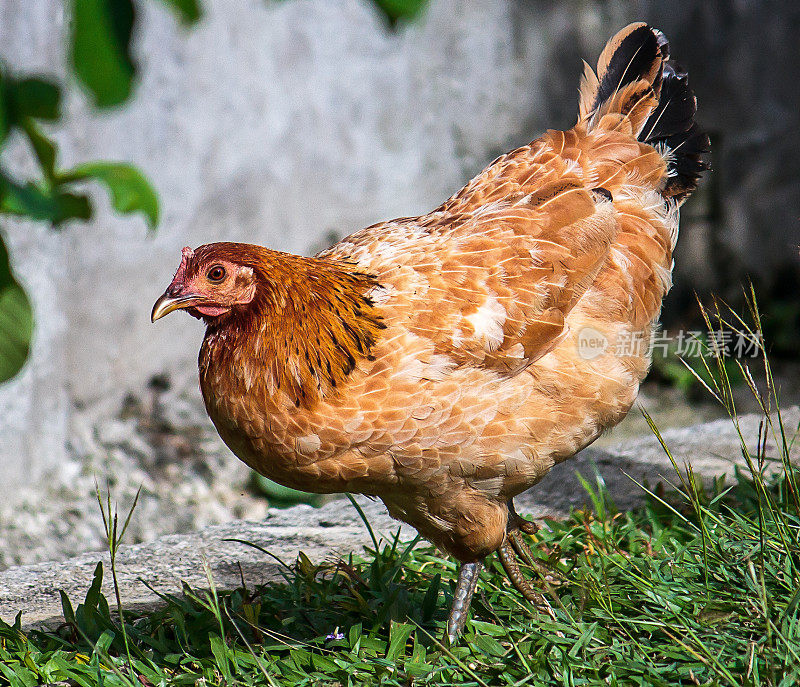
(285, 122)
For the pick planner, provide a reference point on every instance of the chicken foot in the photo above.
(508, 558)
(516, 521)
(513, 549)
(517, 524)
(465, 587)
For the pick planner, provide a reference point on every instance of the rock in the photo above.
(713, 449)
(164, 447)
(335, 529)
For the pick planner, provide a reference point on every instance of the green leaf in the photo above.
(87, 615)
(43, 147)
(323, 665)
(398, 636)
(188, 10)
(220, 652)
(38, 98)
(397, 10)
(16, 320)
(66, 607)
(489, 628)
(95, 589)
(431, 600)
(284, 495)
(29, 200)
(130, 190)
(50, 205)
(488, 645)
(103, 643)
(71, 206)
(100, 48)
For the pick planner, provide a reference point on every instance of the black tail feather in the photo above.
(672, 124)
(632, 57)
(636, 79)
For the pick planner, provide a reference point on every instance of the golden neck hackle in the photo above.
(310, 324)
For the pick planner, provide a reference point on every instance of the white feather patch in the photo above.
(488, 322)
(379, 295)
(308, 444)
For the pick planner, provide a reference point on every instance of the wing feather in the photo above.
(490, 276)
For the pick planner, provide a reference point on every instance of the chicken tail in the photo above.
(637, 83)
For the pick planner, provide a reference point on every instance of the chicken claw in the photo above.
(517, 521)
(508, 558)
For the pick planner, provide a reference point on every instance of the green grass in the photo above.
(701, 591)
(700, 586)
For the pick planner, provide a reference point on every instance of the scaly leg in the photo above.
(517, 524)
(465, 588)
(515, 546)
(508, 558)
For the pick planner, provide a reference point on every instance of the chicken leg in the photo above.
(514, 547)
(465, 587)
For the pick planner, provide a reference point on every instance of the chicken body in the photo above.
(444, 363)
(479, 383)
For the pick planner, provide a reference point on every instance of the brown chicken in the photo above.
(444, 363)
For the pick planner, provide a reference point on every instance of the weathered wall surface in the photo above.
(284, 122)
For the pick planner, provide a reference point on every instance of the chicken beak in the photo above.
(166, 304)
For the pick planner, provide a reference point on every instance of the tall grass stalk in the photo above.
(114, 537)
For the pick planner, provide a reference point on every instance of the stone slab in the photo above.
(713, 449)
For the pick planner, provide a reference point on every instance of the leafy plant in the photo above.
(696, 587)
(687, 373)
(100, 58)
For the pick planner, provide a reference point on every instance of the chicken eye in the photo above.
(216, 274)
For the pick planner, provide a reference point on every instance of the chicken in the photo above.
(444, 363)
